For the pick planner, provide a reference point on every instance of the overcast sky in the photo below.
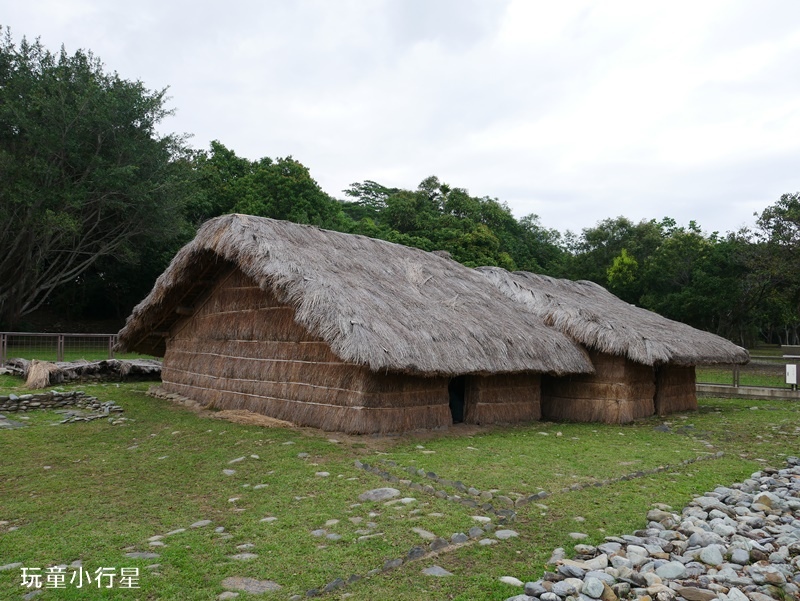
(576, 111)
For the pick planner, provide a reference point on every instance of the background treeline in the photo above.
(94, 202)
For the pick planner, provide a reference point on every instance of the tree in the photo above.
(622, 276)
(436, 216)
(776, 262)
(593, 253)
(281, 189)
(218, 175)
(369, 199)
(83, 172)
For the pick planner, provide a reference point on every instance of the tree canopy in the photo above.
(83, 172)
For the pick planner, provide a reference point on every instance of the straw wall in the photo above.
(676, 389)
(241, 349)
(502, 399)
(619, 392)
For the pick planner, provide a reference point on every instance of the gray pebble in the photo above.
(243, 556)
(436, 571)
(379, 494)
(200, 524)
(506, 534)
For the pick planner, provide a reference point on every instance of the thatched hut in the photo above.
(644, 363)
(342, 332)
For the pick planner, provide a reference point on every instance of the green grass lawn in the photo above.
(772, 376)
(89, 491)
(70, 354)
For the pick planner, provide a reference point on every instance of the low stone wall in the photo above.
(52, 400)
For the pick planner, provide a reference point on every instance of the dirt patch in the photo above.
(241, 416)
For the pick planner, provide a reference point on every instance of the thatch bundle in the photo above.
(591, 315)
(42, 374)
(377, 304)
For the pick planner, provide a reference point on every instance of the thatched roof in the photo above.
(383, 305)
(591, 315)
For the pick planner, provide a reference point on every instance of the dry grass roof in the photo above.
(383, 305)
(596, 318)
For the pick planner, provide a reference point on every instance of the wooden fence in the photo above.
(56, 346)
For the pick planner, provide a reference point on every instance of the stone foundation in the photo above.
(48, 400)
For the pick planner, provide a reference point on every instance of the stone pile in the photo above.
(53, 399)
(89, 407)
(737, 543)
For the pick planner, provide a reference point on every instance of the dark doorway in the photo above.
(457, 389)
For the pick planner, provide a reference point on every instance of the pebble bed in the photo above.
(737, 543)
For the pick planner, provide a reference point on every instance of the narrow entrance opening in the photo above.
(457, 389)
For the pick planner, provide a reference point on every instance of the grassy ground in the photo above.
(70, 354)
(89, 491)
(770, 375)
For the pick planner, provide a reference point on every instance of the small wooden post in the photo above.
(3, 348)
(111, 346)
(60, 348)
(736, 376)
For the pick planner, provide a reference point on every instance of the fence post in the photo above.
(3, 347)
(111, 346)
(60, 348)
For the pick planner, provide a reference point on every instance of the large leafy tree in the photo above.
(775, 263)
(279, 188)
(84, 174)
(436, 216)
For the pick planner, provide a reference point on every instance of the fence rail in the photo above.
(765, 371)
(56, 347)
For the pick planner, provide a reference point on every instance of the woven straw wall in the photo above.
(502, 399)
(676, 389)
(241, 349)
(619, 392)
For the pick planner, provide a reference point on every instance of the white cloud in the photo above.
(577, 110)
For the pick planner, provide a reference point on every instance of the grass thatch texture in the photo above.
(334, 418)
(607, 411)
(675, 389)
(378, 304)
(42, 374)
(502, 399)
(596, 318)
(258, 358)
(618, 392)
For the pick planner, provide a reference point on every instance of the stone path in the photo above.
(492, 502)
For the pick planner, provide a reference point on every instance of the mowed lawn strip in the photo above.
(88, 491)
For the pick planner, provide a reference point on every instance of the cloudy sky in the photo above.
(573, 110)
